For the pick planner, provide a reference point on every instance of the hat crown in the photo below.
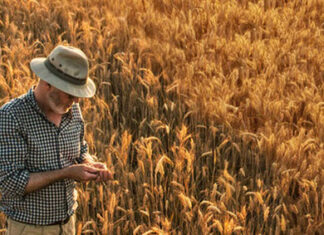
(71, 61)
(65, 68)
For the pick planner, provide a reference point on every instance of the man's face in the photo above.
(60, 102)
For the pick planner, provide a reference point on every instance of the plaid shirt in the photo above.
(30, 143)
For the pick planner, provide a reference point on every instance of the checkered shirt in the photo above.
(30, 143)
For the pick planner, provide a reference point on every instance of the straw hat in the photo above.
(66, 68)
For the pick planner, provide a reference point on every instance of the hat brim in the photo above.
(83, 91)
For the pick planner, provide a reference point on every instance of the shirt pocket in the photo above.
(42, 158)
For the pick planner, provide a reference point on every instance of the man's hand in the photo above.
(82, 172)
(103, 173)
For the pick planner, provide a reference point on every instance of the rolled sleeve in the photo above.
(13, 149)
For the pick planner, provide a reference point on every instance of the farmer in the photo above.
(42, 147)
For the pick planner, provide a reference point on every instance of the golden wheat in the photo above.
(210, 113)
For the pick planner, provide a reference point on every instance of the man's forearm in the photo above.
(42, 179)
(79, 172)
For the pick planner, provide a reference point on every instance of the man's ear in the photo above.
(45, 85)
(48, 86)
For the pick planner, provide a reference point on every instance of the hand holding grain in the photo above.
(82, 172)
(103, 173)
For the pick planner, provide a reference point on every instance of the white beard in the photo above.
(55, 105)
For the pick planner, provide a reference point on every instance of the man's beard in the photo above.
(55, 104)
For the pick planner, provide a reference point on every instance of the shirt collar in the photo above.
(30, 97)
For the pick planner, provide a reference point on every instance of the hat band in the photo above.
(64, 76)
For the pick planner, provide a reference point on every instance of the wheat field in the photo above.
(209, 112)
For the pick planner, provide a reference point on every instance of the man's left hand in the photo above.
(104, 174)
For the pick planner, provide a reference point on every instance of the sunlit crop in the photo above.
(209, 112)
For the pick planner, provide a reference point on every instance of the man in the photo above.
(42, 147)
